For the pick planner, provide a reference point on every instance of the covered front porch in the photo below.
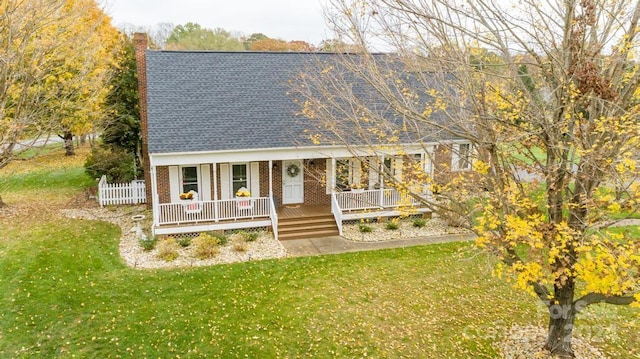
(246, 191)
(261, 212)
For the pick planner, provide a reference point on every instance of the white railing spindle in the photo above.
(214, 211)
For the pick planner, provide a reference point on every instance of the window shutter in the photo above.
(455, 159)
(225, 181)
(428, 162)
(356, 165)
(205, 185)
(175, 187)
(397, 168)
(329, 176)
(255, 179)
(374, 167)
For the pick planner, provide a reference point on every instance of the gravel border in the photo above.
(265, 247)
(526, 342)
(379, 233)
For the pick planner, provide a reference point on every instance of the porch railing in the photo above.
(274, 218)
(373, 199)
(214, 211)
(337, 212)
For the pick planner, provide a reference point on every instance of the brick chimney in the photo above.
(140, 43)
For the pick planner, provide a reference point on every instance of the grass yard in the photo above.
(36, 151)
(65, 292)
(523, 156)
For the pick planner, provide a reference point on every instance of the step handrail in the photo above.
(337, 212)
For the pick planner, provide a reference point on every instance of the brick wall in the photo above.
(442, 166)
(164, 186)
(315, 193)
(442, 163)
(264, 180)
(314, 188)
(162, 178)
(211, 195)
(140, 42)
(314, 182)
(218, 179)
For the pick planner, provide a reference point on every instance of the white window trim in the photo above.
(248, 187)
(198, 176)
(354, 167)
(422, 160)
(455, 157)
(395, 171)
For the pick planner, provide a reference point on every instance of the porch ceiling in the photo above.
(274, 154)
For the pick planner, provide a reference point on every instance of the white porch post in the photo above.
(216, 215)
(333, 174)
(271, 179)
(428, 169)
(155, 198)
(381, 173)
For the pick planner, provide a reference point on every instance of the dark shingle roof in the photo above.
(215, 101)
(207, 101)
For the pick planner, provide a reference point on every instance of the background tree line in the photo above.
(192, 36)
(66, 71)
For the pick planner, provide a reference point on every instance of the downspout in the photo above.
(155, 200)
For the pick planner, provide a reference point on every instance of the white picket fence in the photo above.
(121, 193)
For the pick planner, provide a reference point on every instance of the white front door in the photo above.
(292, 182)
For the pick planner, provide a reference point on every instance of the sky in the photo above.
(284, 19)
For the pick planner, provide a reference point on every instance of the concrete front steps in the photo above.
(312, 226)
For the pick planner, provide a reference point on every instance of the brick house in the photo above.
(222, 124)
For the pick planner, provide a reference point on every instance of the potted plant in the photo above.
(356, 188)
(190, 202)
(188, 195)
(242, 198)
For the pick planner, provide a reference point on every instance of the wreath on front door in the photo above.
(293, 170)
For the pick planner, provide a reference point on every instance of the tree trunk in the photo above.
(2, 204)
(561, 320)
(68, 144)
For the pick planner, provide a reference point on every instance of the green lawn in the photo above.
(40, 150)
(63, 179)
(65, 292)
(527, 158)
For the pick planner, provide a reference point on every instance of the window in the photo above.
(387, 172)
(343, 175)
(348, 173)
(423, 162)
(239, 177)
(461, 157)
(391, 171)
(189, 179)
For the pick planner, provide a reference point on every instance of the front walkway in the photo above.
(334, 245)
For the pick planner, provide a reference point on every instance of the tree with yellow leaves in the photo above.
(548, 95)
(56, 57)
